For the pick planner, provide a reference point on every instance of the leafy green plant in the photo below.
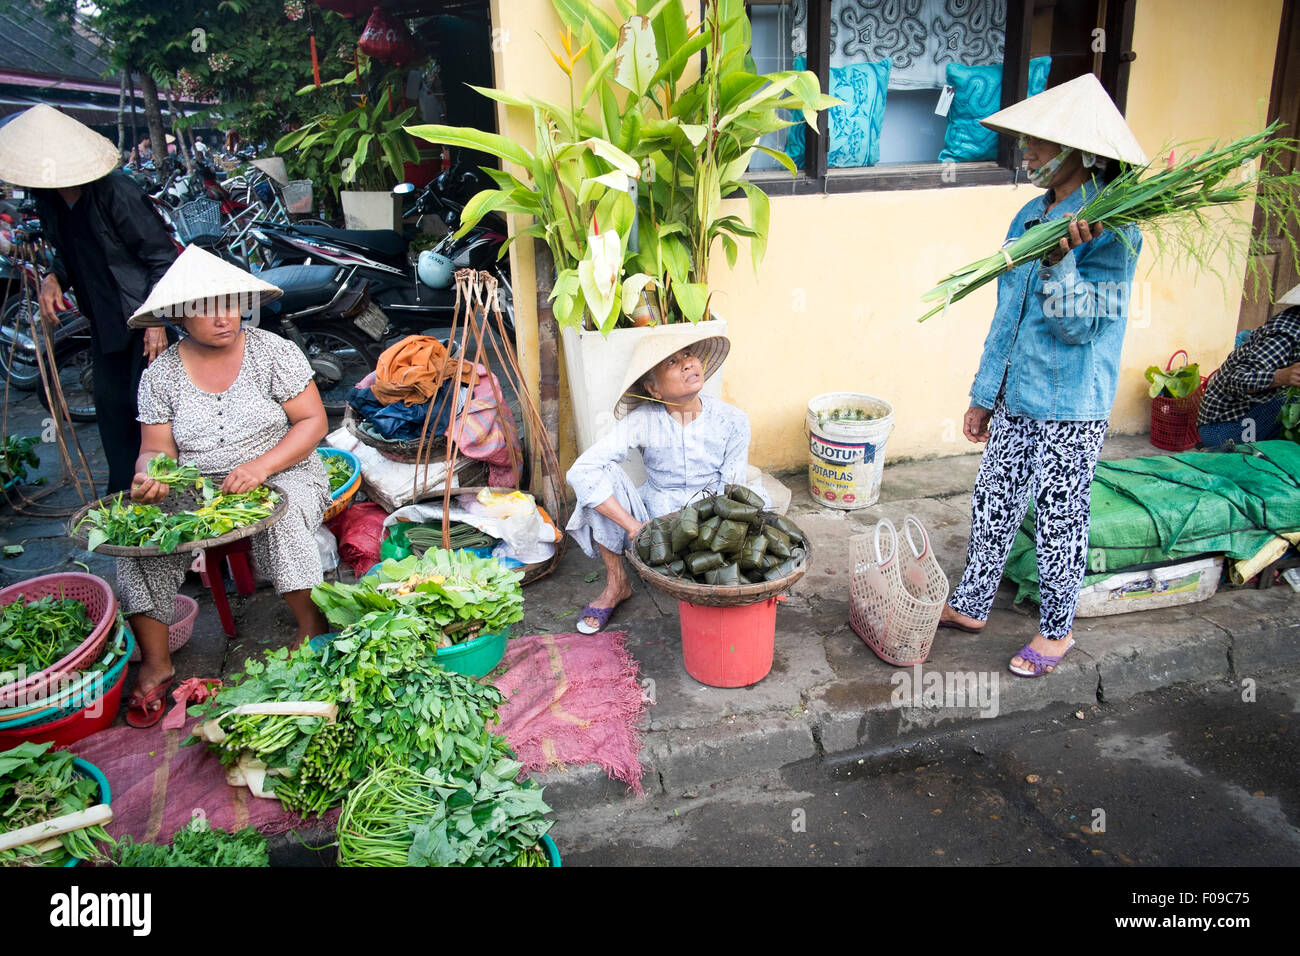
(1178, 383)
(366, 144)
(1290, 415)
(197, 844)
(36, 634)
(16, 456)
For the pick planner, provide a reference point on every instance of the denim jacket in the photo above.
(1054, 347)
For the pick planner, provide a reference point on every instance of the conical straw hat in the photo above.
(657, 346)
(45, 149)
(274, 167)
(1291, 298)
(195, 280)
(1080, 114)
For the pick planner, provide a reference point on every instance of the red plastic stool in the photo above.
(235, 556)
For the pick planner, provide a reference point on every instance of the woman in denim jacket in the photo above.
(1047, 377)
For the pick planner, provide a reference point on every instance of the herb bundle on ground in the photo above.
(16, 456)
(125, 523)
(1169, 203)
(198, 844)
(36, 634)
(36, 785)
(461, 594)
(399, 817)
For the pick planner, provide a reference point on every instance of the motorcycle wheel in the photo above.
(355, 353)
(22, 373)
(77, 378)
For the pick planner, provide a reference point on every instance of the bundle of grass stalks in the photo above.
(1168, 203)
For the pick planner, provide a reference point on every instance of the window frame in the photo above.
(817, 179)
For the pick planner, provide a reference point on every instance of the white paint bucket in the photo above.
(846, 458)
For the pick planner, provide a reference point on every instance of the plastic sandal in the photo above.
(601, 614)
(1038, 662)
(144, 705)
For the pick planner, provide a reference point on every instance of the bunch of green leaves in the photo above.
(16, 456)
(338, 469)
(460, 594)
(399, 817)
(36, 634)
(197, 844)
(165, 470)
(1170, 203)
(127, 523)
(37, 784)
(1290, 415)
(1176, 383)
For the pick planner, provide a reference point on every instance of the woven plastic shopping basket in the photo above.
(895, 600)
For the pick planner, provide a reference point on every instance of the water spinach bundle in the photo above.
(36, 785)
(36, 634)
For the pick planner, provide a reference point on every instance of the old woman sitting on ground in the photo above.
(690, 443)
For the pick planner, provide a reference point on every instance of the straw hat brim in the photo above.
(197, 278)
(1079, 113)
(653, 349)
(44, 149)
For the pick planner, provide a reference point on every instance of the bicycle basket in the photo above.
(199, 218)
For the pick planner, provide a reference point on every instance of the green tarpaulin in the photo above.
(1176, 507)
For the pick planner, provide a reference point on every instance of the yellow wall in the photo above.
(835, 302)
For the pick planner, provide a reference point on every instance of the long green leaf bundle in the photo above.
(37, 784)
(1167, 201)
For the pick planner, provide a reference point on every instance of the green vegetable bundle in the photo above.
(461, 594)
(399, 817)
(16, 456)
(36, 634)
(198, 844)
(125, 523)
(338, 468)
(1178, 383)
(723, 540)
(428, 536)
(1166, 201)
(1290, 415)
(37, 785)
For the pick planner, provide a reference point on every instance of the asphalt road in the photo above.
(1185, 776)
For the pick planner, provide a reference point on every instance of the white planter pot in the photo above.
(371, 210)
(596, 366)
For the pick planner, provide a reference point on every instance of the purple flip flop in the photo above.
(1038, 662)
(601, 614)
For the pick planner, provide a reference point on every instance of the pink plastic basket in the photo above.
(178, 635)
(101, 607)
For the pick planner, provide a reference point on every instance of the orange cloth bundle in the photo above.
(412, 370)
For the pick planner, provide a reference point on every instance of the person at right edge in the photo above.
(1047, 378)
(111, 248)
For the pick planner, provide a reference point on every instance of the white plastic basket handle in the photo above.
(884, 524)
(910, 522)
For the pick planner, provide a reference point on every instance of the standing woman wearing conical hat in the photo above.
(240, 405)
(689, 443)
(110, 247)
(1047, 377)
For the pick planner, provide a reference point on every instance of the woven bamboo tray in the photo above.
(174, 502)
(407, 452)
(717, 595)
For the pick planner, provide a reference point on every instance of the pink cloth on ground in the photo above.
(573, 699)
(157, 785)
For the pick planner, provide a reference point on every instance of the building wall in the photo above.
(834, 305)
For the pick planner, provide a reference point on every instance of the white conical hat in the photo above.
(657, 346)
(274, 167)
(1079, 113)
(44, 149)
(196, 278)
(1291, 298)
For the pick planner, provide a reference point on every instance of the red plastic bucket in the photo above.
(728, 646)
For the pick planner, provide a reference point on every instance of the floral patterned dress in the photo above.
(216, 433)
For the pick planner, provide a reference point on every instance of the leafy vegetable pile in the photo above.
(461, 594)
(428, 537)
(723, 540)
(338, 468)
(399, 817)
(198, 844)
(128, 524)
(38, 785)
(1290, 415)
(36, 634)
(1178, 383)
(16, 456)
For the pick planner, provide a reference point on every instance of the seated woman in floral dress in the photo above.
(238, 404)
(690, 444)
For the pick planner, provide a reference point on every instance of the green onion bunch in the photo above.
(1166, 201)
